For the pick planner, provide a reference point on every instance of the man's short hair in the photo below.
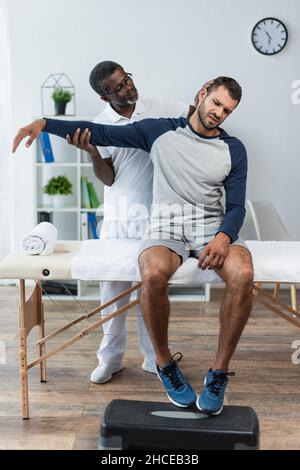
(234, 89)
(101, 72)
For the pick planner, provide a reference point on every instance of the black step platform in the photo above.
(130, 424)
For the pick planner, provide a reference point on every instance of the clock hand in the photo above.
(268, 35)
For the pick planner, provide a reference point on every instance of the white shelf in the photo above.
(56, 209)
(56, 164)
(99, 211)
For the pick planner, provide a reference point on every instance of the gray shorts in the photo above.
(185, 243)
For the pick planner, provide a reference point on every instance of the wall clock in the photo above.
(269, 36)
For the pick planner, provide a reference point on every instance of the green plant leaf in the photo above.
(58, 185)
(61, 95)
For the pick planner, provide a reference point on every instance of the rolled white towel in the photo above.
(41, 239)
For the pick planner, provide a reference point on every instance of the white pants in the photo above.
(113, 344)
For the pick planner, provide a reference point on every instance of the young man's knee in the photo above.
(157, 266)
(240, 272)
(241, 277)
(154, 278)
(246, 275)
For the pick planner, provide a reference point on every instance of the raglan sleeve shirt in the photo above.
(140, 134)
(131, 135)
(235, 191)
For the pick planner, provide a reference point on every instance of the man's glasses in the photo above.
(121, 86)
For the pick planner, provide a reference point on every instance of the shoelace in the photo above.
(173, 373)
(216, 385)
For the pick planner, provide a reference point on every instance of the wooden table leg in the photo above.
(276, 290)
(294, 296)
(23, 351)
(41, 320)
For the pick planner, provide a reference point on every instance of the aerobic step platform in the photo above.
(130, 424)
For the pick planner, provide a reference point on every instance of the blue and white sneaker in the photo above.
(211, 400)
(179, 391)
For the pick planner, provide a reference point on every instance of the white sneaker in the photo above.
(103, 373)
(149, 366)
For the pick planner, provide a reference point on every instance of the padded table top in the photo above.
(116, 260)
(19, 265)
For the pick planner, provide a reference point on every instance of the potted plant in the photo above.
(59, 187)
(61, 97)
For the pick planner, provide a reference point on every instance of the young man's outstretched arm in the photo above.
(137, 135)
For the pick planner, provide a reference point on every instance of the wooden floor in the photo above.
(66, 411)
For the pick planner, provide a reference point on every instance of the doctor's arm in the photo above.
(103, 167)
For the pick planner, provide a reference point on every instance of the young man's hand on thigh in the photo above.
(215, 252)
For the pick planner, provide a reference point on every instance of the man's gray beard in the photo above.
(132, 101)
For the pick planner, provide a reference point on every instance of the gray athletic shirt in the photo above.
(189, 168)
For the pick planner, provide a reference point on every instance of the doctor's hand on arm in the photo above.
(215, 252)
(32, 130)
(103, 168)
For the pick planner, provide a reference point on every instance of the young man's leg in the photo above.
(157, 265)
(237, 272)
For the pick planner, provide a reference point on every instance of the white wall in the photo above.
(171, 48)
